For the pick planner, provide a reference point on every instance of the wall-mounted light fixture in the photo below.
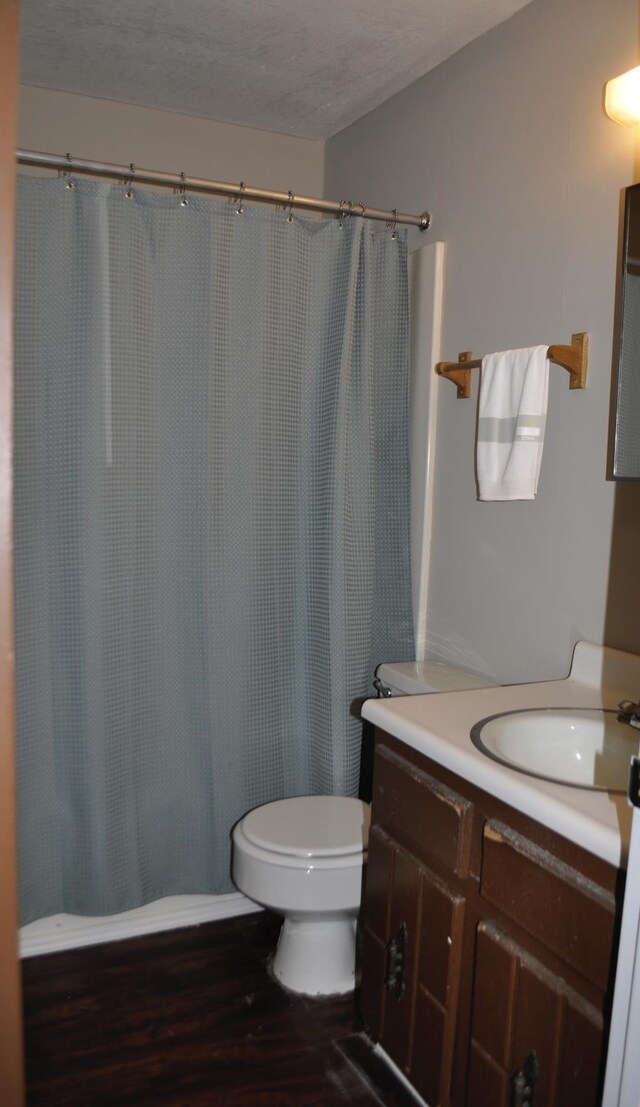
(622, 98)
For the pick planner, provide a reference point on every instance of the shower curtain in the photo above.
(211, 526)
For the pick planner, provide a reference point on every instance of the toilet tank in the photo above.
(419, 678)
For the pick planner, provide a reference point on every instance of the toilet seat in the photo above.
(309, 827)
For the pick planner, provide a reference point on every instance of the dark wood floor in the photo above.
(191, 1018)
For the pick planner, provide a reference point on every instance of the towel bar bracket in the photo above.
(460, 376)
(573, 358)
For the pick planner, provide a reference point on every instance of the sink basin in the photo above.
(583, 747)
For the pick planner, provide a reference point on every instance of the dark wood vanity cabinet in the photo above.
(487, 943)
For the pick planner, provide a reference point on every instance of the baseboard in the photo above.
(382, 1053)
(58, 932)
(388, 1084)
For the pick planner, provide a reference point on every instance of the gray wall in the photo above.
(508, 146)
(102, 130)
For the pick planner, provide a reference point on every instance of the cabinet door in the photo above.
(412, 938)
(520, 1009)
(437, 989)
(390, 926)
(375, 930)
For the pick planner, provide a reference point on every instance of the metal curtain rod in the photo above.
(198, 184)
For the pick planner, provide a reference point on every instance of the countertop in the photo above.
(438, 725)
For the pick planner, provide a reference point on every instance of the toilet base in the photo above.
(317, 957)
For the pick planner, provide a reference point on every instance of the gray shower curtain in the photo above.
(211, 526)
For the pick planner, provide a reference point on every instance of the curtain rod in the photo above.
(183, 183)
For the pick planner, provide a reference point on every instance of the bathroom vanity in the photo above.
(492, 902)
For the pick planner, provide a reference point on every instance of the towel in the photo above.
(512, 411)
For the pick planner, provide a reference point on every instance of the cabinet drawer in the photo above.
(425, 816)
(555, 903)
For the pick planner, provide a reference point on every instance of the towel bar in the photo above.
(573, 358)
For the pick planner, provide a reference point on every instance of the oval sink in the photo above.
(583, 747)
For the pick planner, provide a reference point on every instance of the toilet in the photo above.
(303, 858)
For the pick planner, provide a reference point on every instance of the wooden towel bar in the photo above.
(573, 358)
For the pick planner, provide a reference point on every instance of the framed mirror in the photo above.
(626, 430)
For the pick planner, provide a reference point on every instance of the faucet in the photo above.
(629, 712)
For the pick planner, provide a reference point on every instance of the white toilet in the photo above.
(303, 858)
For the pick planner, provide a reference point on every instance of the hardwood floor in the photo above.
(191, 1018)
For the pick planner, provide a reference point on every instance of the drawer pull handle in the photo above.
(396, 959)
(524, 1082)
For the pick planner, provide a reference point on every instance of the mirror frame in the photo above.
(625, 453)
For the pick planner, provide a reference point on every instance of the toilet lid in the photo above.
(310, 826)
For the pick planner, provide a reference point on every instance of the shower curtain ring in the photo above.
(392, 223)
(129, 182)
(70, 185)
(239, 199)
(342, 213)
(184, 199)
(290, 205)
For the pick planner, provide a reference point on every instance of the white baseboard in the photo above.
(58, 932)
(401, 1076)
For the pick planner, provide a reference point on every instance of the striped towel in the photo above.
(512, 412)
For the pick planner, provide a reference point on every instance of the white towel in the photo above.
(512, 412)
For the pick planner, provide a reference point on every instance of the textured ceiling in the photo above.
(302, 67)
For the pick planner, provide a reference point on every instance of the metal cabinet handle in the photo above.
(391, 966)
(524, 1082)
(396, 960)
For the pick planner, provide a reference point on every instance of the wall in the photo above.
(508, 146)
(102, 130)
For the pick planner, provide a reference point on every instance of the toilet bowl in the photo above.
(303, 858)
